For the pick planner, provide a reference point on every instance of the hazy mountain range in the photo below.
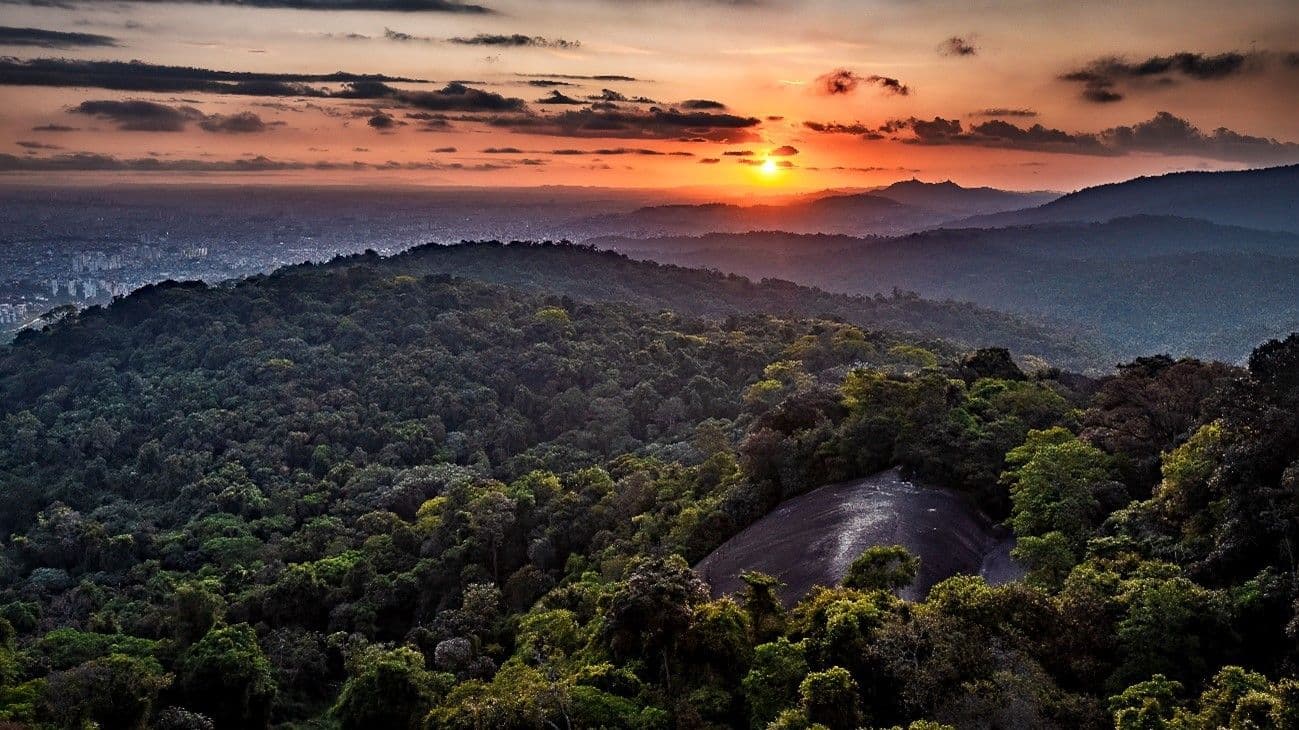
(905, 206)
(1262, 198)
(1203, 264)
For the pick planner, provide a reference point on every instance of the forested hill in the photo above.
(358, 495)
(229, 500)
(584, 273)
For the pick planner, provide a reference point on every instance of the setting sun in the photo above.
(769, 167)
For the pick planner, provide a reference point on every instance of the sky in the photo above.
(743, 95)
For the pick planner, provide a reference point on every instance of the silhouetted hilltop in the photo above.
(1149, 283)
(1265, 198)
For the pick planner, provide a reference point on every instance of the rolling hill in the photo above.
(949, 198)
(1264, 199)
(903, 207)
(587, 274)
(1186, 287)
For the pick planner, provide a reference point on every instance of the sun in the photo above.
(769, 167)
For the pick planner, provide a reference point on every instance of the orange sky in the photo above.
(758, 71)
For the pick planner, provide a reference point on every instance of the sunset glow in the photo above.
(646, 94)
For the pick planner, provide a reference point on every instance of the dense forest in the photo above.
(370, 494)
(587, 273)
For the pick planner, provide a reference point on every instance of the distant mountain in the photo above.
(584, 273)
(1150, 284)
(951, 199)
(861, 213)
(1264, 199)
(903, 207)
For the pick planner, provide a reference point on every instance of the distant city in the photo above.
(83, 247)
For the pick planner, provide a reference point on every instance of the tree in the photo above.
(773, 680)
(650, 611)
(195, 610)
(831, 699)
(761, 600)
(491, 514)
(227, 677)
(1050, 556)
(1147, 705)
(718, 638)
(991, 362)
(1171, 626)
(882, 568)
(390, 690)
(1056, 482)
(117, 692)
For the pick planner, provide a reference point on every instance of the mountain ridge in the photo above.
(1262, 198)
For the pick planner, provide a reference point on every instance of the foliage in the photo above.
(352, 496)
(882, 568)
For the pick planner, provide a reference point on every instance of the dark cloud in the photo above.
(841, 81)
(738, 153)
(140, 116)
(25, 144)
(430, 121)
(1101, 78)
(382, 121)
(400, 37)
(457, 97)
(91, 161)
(514, 40)
(784, 151)
(240, 123)
(1168, 134)
(1001, 111)
(55, 128)
(365, 89)
(404, 6)
(936, 128)
(838, 128)
(41, 38)
(844, 81)
(653, 123)
(140, 77)
(1164, 134)
(502, 151)
(957, 46)
(703, 104)
(136, 115)
(610, 96)
(892, 86)
(710, 161)
(445, 150)
(613, 151)
(546, 83)
(555, 97)
(1101, 94)
(97, 162)
(573, 77)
